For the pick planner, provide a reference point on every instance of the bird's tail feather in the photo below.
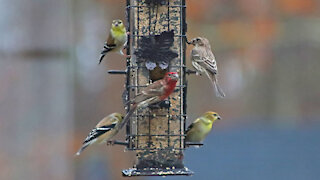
(219, 92)
(128, 115)
(82, 148)
(105, 50)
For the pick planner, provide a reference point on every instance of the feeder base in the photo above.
(157, 172)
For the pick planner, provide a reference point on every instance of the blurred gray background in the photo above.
(52, 91)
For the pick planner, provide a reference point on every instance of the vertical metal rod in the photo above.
(168, 112)
(137, 72)
(168, 15)
(183, 45)
(149, 119)
(128, 126)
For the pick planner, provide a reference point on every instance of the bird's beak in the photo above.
(175, 76)
(219, 118)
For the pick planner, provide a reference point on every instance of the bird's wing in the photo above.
(198, 67)
(154, 89)
(202, 59)
(196, 58)
(98, 131)
(209, 62)
(191, 126)
(108, 46)
(110, 41)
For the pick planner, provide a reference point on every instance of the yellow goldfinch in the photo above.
(204, 61)
(104, 130)
(117, 39)
(201, 127)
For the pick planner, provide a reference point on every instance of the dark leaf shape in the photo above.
(156, 48)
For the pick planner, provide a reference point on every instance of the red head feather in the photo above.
(171, 79)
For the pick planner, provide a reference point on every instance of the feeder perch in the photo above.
(157, 35)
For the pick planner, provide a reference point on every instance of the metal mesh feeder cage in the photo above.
(157, 44)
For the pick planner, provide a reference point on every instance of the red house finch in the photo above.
(153, 93)
(204, 61)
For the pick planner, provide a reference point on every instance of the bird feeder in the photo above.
(157, 44)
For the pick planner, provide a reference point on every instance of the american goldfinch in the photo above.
(201, 127)
(117, 39)
(153, 93)
(204, 61)
(104, 130)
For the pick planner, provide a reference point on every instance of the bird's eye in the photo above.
(214, 114)
(120, 22)
(198, 39)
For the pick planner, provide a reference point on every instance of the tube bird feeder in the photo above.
(157, 44)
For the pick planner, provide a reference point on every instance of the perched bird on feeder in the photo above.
(117, 39)
(201, 127)
(153, 93)
(104, 130)
(204, 61)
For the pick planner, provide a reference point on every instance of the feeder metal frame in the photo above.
(136, 140)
